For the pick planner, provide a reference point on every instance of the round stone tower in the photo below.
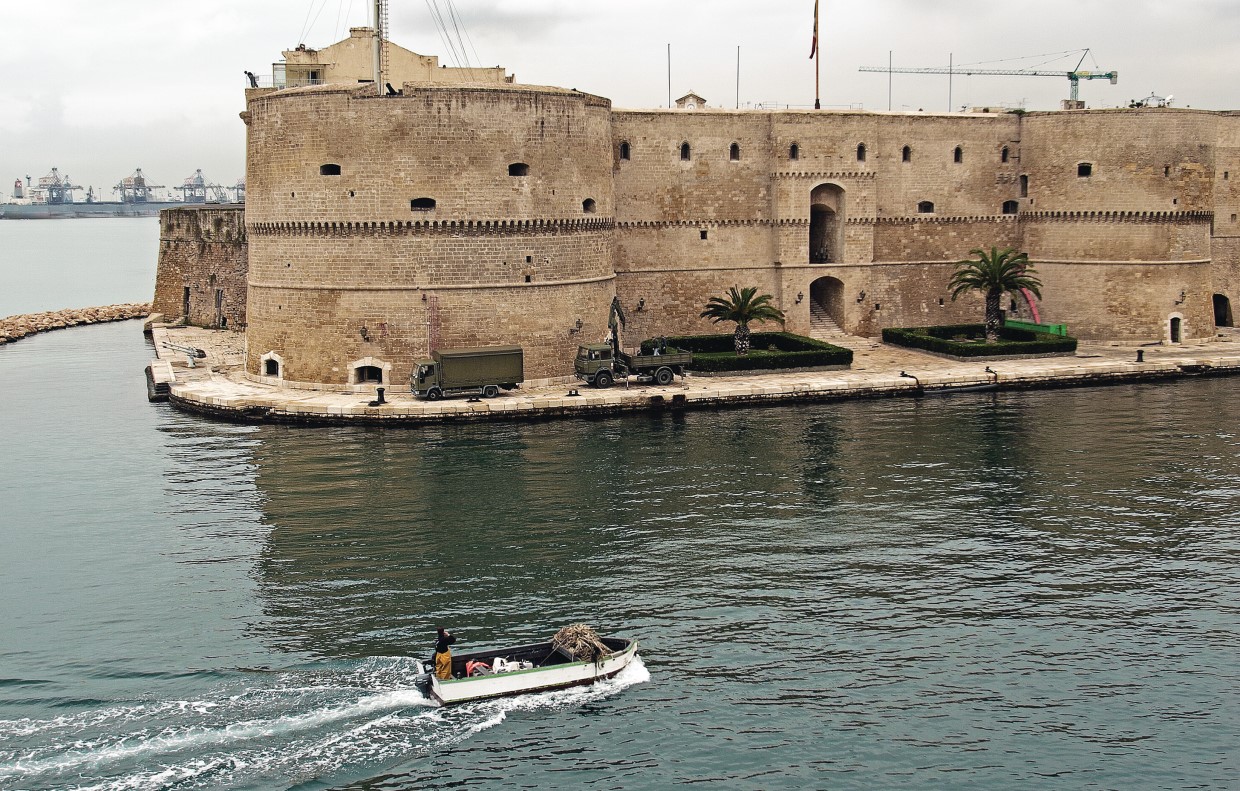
(448, 216)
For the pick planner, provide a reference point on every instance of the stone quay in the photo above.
(216, 384)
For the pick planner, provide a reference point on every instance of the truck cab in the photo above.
(425, 375)
(595, 364)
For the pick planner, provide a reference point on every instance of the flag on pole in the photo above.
(813, 50)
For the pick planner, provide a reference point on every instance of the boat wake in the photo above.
(294, 726)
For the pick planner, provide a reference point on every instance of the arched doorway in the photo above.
(1177, 329)
(826, 301)
(826, 224)
(1222, 311)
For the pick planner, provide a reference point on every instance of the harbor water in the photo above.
(1033, 590)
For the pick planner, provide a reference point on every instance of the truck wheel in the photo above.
(603, 379)
(663, 376)
(434, 394)
(490, 391)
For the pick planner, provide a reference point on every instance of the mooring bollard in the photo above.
(1140, 355)
(379, 390)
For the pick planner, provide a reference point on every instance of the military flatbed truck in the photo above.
(483, 371)
(598, 365)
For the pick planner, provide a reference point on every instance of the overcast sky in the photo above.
(99, 87)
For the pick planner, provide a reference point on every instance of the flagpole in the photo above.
(817, 63)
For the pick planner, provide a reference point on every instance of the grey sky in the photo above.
(98, 88)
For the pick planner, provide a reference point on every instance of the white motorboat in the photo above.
(479, 675)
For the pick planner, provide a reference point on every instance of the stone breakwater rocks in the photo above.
(15, 328)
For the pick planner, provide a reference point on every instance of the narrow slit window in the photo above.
(1005, 154)
(685, 151)
(518, 169)
(794, 151)
(624, 151)
(861, 152)
(958, 155)
(734, 152)
(906, 154)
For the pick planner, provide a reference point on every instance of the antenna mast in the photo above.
(381, 23)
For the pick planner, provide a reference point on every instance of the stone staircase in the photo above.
(822, 327)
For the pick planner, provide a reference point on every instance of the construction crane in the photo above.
(1074, 77)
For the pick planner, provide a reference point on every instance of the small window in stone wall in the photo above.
(958, 155)
(422, 204)
(794, 151)
(271, 367)
(588, 206)
(734, 152)
(1166, 170)
(1010, 207)
(518, 169)
(1084, 170)
(703, 234)
(624, 150)
(906, 154)
(925, 207)
(329, 170)
(369, 374)
(861, 152)
(685, 151)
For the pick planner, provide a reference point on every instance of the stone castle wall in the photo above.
(383, 227)
(203, 265)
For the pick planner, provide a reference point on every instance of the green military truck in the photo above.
(598, 365)
(483, 371)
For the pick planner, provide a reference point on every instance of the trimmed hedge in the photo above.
(715, 353)
(962, 340)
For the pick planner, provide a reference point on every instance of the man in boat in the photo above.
(443, 654)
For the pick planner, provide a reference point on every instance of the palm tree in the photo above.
(994, 273)
(742, 307)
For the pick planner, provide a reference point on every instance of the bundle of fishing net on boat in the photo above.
(580, 642)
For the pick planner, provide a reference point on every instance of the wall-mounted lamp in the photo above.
(1183, 296)
(861, 297)
(423, 297)
(365, 333)
(800, 296)
(641, 304)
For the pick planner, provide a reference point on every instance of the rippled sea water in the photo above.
(1015, 590)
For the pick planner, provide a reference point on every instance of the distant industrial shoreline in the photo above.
(52, 197)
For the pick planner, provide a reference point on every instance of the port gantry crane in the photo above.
(1074, 77)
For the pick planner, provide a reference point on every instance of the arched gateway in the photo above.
(1222, 311)
(826, 224)
(826, 301)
